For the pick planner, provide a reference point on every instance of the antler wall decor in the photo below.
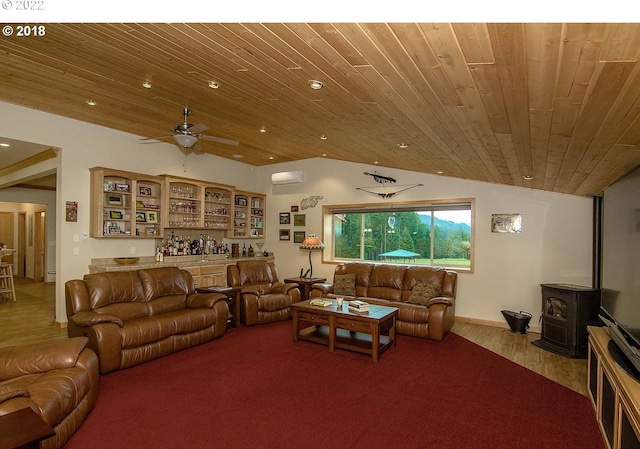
(383, 191)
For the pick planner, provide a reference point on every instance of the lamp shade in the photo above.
(312, 243)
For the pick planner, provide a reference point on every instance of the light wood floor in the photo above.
(31, 319)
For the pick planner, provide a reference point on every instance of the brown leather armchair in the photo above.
(57, 379)
(264, 299)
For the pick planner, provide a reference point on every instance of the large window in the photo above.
(436, 233)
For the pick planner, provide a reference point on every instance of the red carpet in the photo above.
(255, 388)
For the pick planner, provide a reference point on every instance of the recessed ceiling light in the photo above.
(146, 85)
(4, 144)
(263, 130)
(402, 145)
(324, 154)
(237, 156)
(376, 162)
(323, 137)
(213, 85)
(527, 177)
(315, 84)
(439, 172)
(270, 158)
(91, 103)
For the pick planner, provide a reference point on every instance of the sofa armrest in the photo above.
(11, 394)
(87, 319)
(440, 300)
(281, 287)
(318, 290)
(441, 316)
(39, 358)
(204, 300)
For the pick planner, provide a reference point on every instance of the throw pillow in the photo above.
(344, 284)
(422, 293)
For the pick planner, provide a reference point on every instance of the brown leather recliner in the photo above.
(264, 299)
(57, 379)
(131, 317)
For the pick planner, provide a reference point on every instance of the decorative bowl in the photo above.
(126, 260)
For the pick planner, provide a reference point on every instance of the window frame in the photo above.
(329, 210)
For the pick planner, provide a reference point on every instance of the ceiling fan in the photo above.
(187, 135)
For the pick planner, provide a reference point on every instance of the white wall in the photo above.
(555, 245)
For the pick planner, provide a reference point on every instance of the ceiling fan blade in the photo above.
(197, 149)
(198, 128)
(156, 139)
(220, 140)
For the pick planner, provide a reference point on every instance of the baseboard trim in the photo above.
(500, 324)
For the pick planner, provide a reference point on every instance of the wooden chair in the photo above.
(7, 289)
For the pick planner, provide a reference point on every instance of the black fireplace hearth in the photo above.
(567, 310)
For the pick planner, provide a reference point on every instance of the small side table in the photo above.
(306, 284)
(23, 429)
(233, 300)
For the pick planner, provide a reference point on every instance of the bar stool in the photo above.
(7, 290)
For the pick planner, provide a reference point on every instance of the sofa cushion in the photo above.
(344, 284)
(422, 293)
(114, 287)
(165, 281)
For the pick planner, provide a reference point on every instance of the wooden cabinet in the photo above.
(614, 395)
(248, 215)
(193, 204)
(125, 204)
(208, 275)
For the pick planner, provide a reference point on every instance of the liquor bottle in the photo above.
(244, 250)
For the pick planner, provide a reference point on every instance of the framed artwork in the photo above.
(141, 217)
(298, 236)
(122, 187)
(143, 190)
(506, 223)
(299, 219)
(115, 215)
(114, 230)
(72, 211)
(284, 234)
(285, 218)
(152, 216)
(114, 200)
(294, 208)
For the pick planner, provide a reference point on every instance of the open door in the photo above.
(6, 233)
(39, 239)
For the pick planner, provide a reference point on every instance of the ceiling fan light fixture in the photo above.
(185, 140)
(315, 84)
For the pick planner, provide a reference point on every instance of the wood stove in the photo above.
(567, 310)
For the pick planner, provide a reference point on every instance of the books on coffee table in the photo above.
(357, 306)
(321, 302)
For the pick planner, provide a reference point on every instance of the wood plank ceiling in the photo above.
(558, 103)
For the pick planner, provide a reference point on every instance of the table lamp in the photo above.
(311, 243)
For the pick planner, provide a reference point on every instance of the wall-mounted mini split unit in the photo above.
(287, 177)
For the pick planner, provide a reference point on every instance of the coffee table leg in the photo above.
(375, 342)
(296, 326)
(392, 331)
(332, 334)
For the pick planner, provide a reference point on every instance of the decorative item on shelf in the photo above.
(384, 191)
(126, 260)
(311, 243)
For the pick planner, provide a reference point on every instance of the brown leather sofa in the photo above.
(264, 299)
(132, 317)
(57, 379)
(393, 286)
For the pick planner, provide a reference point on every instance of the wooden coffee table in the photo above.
(370, 333)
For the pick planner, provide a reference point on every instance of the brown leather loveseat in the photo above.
(131, 317)
(57, 379)
(424, 296)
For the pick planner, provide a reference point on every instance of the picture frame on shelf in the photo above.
(115, 215)
(114, 230)
(141, 217)
(144, 190)
(150, 231)
(298, 236)
(299, 219)
(285, 234)
(121, 187)
(114, 200)
(285, 218)
(152, 216)
(241, 201)
(139, 204)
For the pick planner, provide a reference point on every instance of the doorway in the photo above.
(39, 247)
(6, 233)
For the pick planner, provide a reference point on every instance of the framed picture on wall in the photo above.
(285, 218)
(284, 234)
(298, 236)
(299, 219)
